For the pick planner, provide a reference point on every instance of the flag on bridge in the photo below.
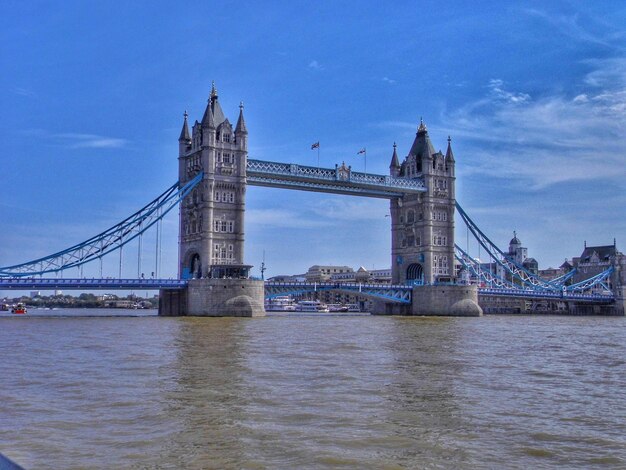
(361, 151)
(316, 145)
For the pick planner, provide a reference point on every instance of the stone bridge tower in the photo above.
(211, 228)
(422, 225)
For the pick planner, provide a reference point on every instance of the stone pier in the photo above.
(215, 298)
(446, 300)
(438, 300)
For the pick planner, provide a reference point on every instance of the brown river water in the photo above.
(312, 391)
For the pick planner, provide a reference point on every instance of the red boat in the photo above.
(19, 309)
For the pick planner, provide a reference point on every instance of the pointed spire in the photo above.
(241, 123)
(208, 120)
(422, 126)
(395, 162)
(184, 133)
(449, 154)
(213, 90)
(422, 147)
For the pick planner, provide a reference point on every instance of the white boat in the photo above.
(282, 303)
(311, 306)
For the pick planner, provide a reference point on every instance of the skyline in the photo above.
(532, 97)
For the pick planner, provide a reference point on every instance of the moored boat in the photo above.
(282, 303)
(311, 306)
(19, 309)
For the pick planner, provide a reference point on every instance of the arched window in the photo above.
(415, 273)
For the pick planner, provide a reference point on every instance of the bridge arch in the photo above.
(415, 273)
(191, 265)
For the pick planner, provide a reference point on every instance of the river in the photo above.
(312, 391)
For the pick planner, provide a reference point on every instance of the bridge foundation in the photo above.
(446, 300)
(620, 301)
(214, 298)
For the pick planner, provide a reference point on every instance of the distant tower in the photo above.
(212, 216)
(422, 225)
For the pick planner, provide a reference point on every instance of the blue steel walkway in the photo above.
(89, 284)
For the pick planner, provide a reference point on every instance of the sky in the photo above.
(533, 95)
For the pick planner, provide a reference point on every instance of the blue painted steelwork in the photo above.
(107, 241)
(487, 277)
(596, 298)
(25, 283)
(392, 293)
(530, 281)
(559, 281)
(340, 180)
(519, 272)
(596, 280)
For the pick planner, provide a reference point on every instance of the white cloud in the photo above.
(23, 92)
(552, 139)
(314, 64)
(77, 140)
(497, 89)
(281, 218)
(389, 80)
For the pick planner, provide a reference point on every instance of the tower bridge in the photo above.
(213, 279)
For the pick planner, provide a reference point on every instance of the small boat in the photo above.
(337, 308)
(19, 309)
(4, 307)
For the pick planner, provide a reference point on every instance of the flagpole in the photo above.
(365, 157)
(318, 156)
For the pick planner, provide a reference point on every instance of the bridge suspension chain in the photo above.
(111, 239)
(527, 279)
(487, 276)
(519, 272)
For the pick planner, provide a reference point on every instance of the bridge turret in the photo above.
(241, 132)
(394, 166)
(184, 141)
(450, 162)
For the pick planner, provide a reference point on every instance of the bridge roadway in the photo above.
(387, 292)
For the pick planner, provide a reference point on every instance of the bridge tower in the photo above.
(212, 217)
(422, 225)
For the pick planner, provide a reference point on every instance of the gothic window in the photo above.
(224, 196)
(401, 219)
(217, 136)
(419, 166)
(231, 226)
(226, 137)
(231, 197)
(410, 240)
(217, 196)
(223, 227)
(410, 216)
(230, 247)
(418, 241)
(219, 157)
(217, 225)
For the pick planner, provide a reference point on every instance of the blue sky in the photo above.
(533, 95)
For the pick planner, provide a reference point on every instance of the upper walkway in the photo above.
(338, 180)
